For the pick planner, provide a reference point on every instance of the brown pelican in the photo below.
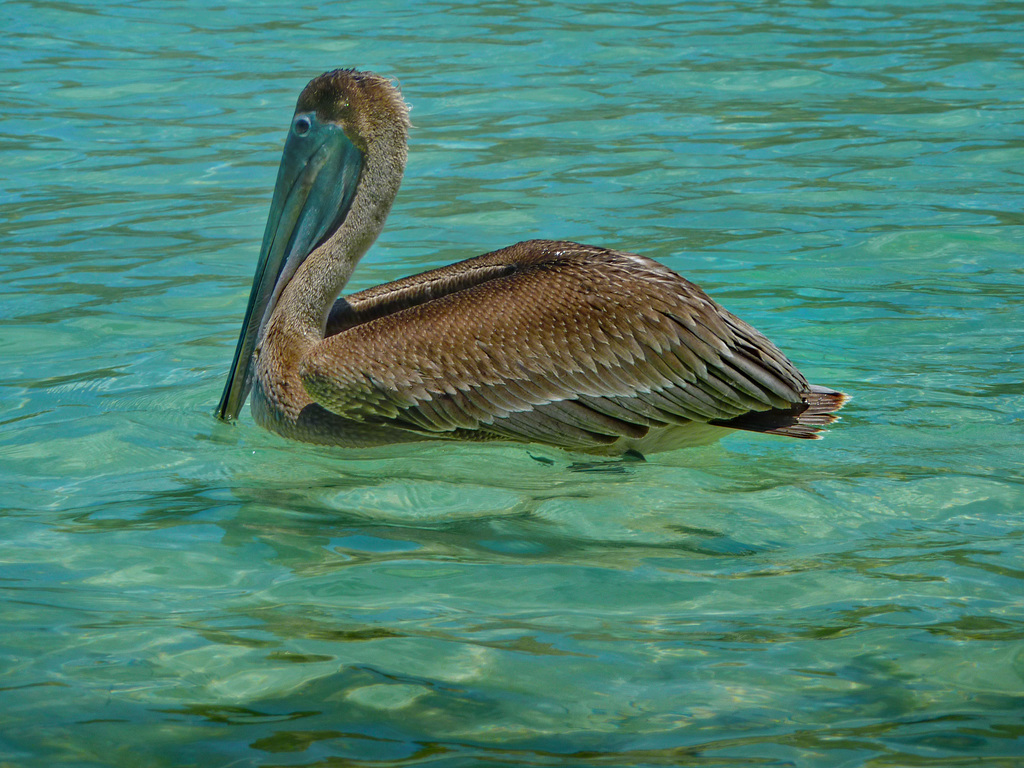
(550, 342)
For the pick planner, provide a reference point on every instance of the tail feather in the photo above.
(804, 420)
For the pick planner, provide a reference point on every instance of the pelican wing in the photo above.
(545, 341)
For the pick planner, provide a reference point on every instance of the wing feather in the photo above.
(549, 341)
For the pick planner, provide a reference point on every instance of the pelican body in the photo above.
(551, 342)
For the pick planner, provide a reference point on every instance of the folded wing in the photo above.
(552, 342)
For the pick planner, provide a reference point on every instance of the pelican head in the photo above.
(340, 169)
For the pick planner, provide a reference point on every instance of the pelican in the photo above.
(549, 342)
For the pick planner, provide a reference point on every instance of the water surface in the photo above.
(845, 176)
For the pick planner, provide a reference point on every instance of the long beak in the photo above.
(316, 182)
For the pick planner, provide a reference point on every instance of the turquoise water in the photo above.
(845, 176)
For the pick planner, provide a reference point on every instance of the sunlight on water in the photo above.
(175, 591)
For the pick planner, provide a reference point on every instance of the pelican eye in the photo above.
(302, 125)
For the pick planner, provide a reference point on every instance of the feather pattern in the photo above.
(546, 341)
